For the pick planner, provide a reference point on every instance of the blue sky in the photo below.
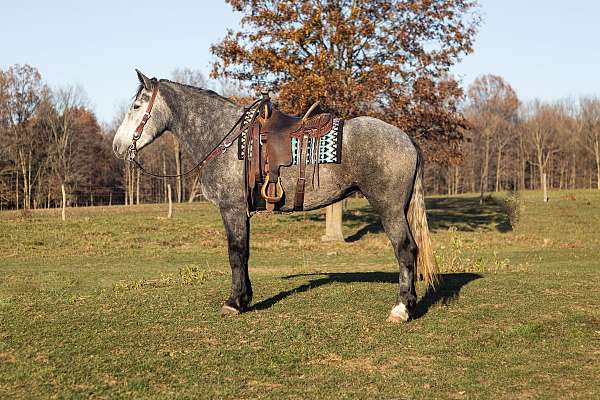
(547, 49)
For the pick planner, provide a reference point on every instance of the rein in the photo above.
(219, 149)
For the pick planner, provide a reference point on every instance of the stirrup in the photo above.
(278, 191)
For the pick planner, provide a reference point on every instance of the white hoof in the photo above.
(227, 310)
(399, 314)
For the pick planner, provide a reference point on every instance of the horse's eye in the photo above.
(136, 106)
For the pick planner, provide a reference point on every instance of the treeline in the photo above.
(515, 145)
(50, 139)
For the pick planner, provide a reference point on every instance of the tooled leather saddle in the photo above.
(269, 148)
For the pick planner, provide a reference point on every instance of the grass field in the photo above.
(120, 302)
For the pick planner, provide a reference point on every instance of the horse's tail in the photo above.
(417, 220)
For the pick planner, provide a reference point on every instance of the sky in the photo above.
(545, 49)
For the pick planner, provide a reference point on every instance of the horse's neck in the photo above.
(200, 121)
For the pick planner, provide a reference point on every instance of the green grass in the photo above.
(122, 303)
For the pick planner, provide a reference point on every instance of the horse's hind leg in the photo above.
(237, 227)
(396, 227)
(397, 230)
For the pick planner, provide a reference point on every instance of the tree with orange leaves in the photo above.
(388, 59)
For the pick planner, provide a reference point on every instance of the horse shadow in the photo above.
(447, 290)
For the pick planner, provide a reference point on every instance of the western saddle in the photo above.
(269, 147)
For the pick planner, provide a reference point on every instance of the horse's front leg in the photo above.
(237, 227)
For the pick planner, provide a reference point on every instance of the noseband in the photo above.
(132, 150)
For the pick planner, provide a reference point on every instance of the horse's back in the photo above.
(369, 141)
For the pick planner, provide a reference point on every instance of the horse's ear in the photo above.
(144, 80)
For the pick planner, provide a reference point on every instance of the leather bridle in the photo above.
(132, 150)
(219, 149)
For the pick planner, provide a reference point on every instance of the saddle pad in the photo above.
(330, 146)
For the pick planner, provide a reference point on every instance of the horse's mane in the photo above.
(207, 92)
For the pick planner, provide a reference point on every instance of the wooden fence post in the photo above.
(545, 186)
(170, 214)
(64, 202)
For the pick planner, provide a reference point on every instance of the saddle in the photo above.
(269, 148)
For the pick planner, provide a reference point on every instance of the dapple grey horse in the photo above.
(378, 160)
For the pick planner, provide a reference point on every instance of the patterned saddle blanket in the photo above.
(329, 152)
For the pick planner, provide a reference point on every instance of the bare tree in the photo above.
(588, 129)
(23, 91)
(231, 88)
(189, 76)
(543, 127)
(62, 116)
(492, 112)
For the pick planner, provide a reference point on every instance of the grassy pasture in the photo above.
(122, 303)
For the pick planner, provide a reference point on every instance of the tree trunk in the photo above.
(473, 178)
(484, 176)
(573, 173)
(17, 189)
(126, 182)
(597, 151)
(131, 186)
(178, 166)
(333, 223)
(561, 179)
(137, 190)
(25, 191)
(456, 180)
(499, 161)
(29, 184)
(550, 175)
(195, 186)
(523, 172)
(164, 163)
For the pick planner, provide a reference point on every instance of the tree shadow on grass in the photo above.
(466, 214)
(447, 290)
(461, 213)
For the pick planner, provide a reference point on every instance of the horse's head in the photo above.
(147, 117)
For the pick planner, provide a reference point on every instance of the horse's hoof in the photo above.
(228, 310)
(399, 314)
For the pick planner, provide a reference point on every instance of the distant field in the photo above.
(119, 302)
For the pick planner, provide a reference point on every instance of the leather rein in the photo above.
(219, 149)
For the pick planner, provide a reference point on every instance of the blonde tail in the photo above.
(417, 220)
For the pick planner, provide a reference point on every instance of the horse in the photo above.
(379, 160)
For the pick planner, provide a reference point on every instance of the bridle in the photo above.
(132, 150)
(219, 149)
